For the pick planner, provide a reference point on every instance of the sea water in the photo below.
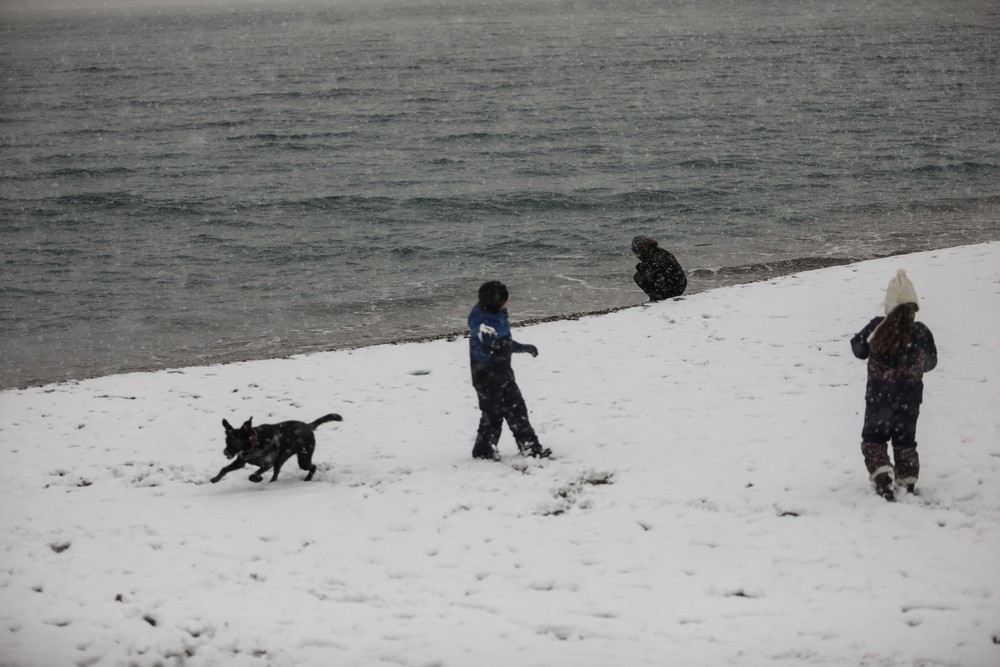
(191, 186)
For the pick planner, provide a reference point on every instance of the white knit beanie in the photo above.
(900, 291)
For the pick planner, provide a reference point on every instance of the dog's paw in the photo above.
(256, 478)
(215, 480)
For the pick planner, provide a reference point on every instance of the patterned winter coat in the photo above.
(897, 382)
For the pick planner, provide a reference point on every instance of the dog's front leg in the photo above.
(259, 475)
(235, 465)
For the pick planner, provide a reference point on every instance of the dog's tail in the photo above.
(332, 417)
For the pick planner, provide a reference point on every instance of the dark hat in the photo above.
(642, 243)
(492, 296)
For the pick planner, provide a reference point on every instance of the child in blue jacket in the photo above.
(899, 351)
(490, 350)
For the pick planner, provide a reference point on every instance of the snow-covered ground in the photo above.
(709, 505)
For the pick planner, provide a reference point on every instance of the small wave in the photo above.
(505, 204)
(547, 170)
(717, 163)
(209, 124)
(96, 69)
(763, 270)
(931, 207)
(283, 95)
(643, 198)
(87, 172)
(477, 137)
(405, 251)
(957, 168)
(274, 138)
(543, 200)
(590, 149)
(347, 203)
(106, 200)
(89, 131)
(206, 238)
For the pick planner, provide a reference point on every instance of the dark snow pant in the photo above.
(500, 399)
(882, 424)
(667, 289)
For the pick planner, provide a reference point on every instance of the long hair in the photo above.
(893, 335)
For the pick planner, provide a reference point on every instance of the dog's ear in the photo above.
(247, 425)
(227, 426)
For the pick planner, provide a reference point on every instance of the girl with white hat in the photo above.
(899, 351)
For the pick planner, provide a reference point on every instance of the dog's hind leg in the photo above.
(305, 462)
(278, 463)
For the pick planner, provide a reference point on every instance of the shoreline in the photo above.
(731, 275)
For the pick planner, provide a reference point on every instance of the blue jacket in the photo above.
(490, 342)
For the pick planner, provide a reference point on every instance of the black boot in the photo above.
(536, 451)
(487, 453)
(883, 486)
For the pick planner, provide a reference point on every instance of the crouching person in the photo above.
(658, 272)
(490, 350)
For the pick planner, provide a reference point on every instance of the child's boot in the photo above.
(535, 450)
(883, 486)
(907, 467)
(481, 451)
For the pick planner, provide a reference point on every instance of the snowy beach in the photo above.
(708, 506)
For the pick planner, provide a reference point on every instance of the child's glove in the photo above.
(859, 346)
(530, 349)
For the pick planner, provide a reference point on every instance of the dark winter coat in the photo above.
(659, 274)
(491, 345)
(897, 382)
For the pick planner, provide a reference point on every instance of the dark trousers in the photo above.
(500, 399)
(882, 424)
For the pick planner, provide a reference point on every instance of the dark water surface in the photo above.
(182, 188)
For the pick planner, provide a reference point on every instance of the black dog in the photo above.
(271, 445)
